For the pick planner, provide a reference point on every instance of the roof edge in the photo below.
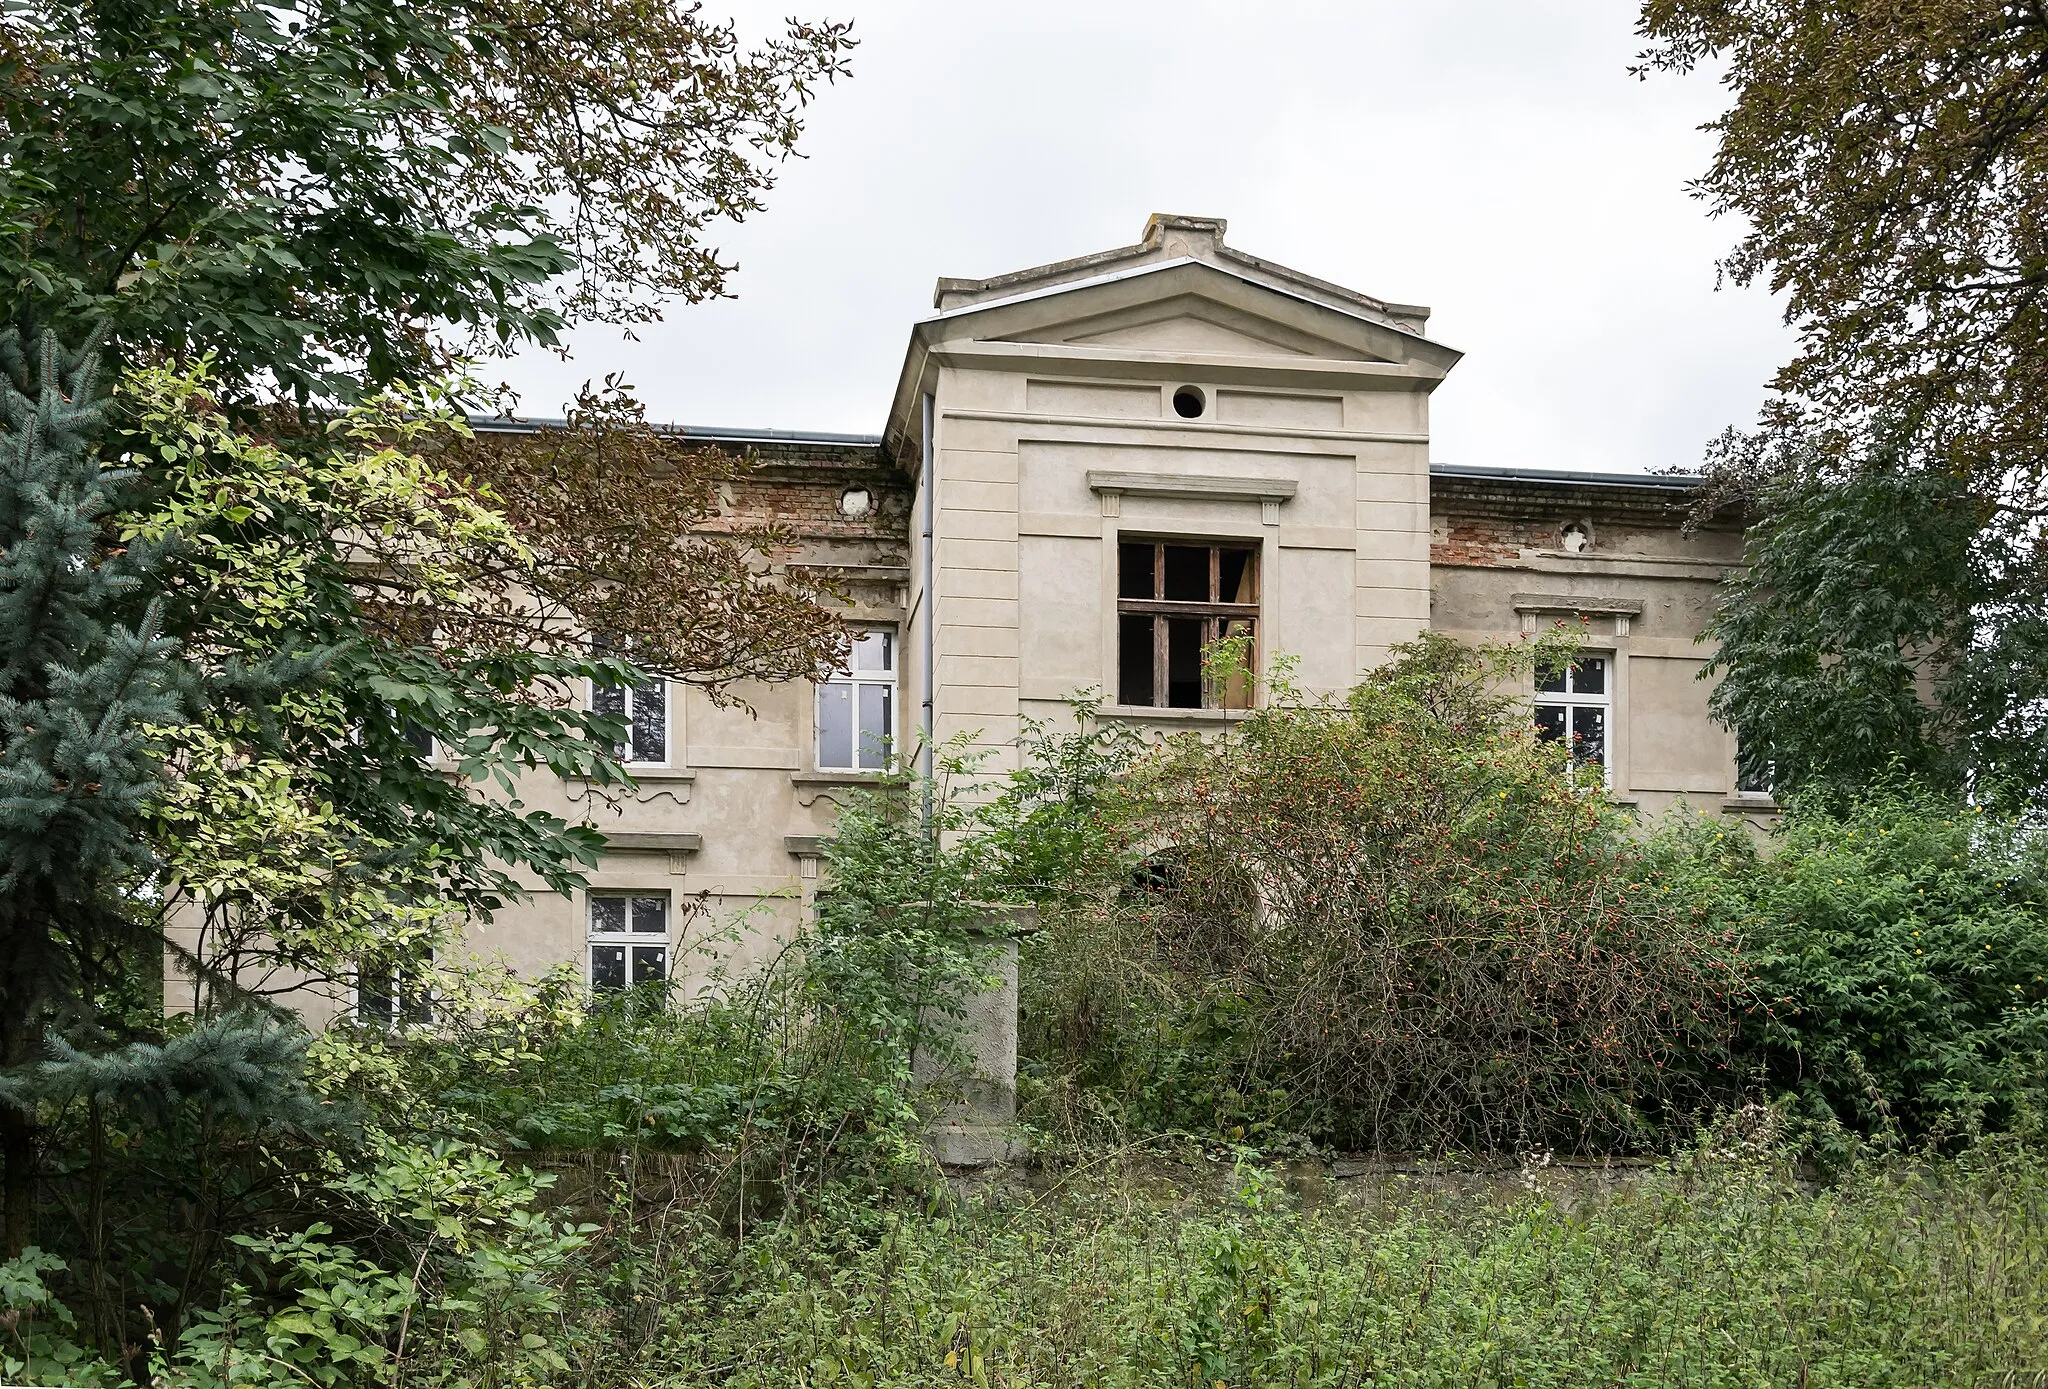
(709, 433)
(1668, 482)
(1167, 236)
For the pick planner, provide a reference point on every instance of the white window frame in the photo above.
(629, 752)
(853, 680)
(1570, 698)
(632, 937)
(412, 1005)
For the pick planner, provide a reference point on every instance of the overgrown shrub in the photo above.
(1900, 948)
(1393, 920)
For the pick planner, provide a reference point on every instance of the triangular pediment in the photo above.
(1189, 323)
(1179, 299)
(1186, 333)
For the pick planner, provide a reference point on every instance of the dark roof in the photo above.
(727, 434)
(723, 434)
(1677, 482)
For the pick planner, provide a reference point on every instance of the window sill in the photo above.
(646, 843)
(811, 785)
(1759, 803)
(1155, 713)
(647, 774)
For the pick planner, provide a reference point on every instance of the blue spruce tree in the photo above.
(84, 673)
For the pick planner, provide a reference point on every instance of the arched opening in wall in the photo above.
(1198, 913)
(1189, 402)
(1156, 878)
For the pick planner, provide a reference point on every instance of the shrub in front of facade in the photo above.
(1394, 921)
(1900, 948)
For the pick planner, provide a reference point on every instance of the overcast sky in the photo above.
(1490, 158)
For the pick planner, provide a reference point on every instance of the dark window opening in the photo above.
(1187, 574)
(1188, 402)
(1134, 571)
(1754, 776)
(1157, 877)
(1175, 602)
(417, 736)
(1184, 662)
(1134, 659)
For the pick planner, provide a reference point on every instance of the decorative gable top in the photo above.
(1178, 306)
(1172, 238)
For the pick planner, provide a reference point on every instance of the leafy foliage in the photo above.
(306, 826)
(316, 196)
(628, 539)
(1861, 597)
(1393, 920)
(1888, 161)
(1715, 1272)
(1884, 622)
(1901, 947)
(85, 675)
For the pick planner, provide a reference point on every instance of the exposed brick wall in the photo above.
(1494, 521)
(799, 487)
(1475, 540)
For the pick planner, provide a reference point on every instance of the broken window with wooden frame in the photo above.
(1176, 600)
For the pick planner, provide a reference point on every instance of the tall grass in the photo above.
(1717, 1271)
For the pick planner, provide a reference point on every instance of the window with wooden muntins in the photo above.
(1174, 602)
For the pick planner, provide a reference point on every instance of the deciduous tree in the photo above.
(335, 195)
(1890, 163)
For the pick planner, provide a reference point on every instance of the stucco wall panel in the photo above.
(976, 612)
(1675, 745)
(957, 528)
(1092, 398)
(959, 464)
(1062, 622)
(1314, 601)
(992, 671)
(965, 494)
(1263, 407)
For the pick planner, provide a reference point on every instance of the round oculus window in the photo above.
(1189, 402)
(856, 502)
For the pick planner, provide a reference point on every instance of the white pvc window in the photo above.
(645, 710)
(392, 992)
(1573, 707)
(857, 707)
(628, 940)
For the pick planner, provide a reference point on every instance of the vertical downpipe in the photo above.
(929, 475)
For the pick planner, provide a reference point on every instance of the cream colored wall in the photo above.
(1664, 746)
(1027, 551)
(742, 781)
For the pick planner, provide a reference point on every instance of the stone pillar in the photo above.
(975, 1129)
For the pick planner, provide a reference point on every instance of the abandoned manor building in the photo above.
(1089, 472)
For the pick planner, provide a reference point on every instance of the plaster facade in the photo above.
(1173, 393)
